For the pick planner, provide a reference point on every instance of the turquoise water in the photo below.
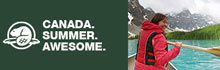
(132, 47)
(190, 59)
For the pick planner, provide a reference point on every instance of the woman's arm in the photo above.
(161, 55)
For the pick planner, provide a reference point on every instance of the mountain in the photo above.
(207, 33)
(182, 21)
(185, 21)
(136, 15)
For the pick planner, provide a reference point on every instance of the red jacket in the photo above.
(161, 55)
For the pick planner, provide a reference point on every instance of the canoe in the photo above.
(131, 63)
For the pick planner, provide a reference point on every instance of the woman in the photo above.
(152, 53)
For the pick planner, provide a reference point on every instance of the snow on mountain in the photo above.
(131, 34)
(130, 18)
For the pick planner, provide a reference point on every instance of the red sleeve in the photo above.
(161, 55)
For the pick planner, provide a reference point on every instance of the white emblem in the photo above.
(21, 35)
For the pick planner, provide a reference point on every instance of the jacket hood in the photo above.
(148, 26)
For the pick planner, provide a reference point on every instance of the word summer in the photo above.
(69, 35)
(72, 46)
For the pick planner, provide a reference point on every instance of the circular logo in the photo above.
(21, 35)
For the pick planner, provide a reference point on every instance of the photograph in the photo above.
(173, 35)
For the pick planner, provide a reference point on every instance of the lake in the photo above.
(189, 59)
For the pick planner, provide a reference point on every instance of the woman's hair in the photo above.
(157, 18)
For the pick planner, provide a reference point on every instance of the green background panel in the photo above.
(108, 16)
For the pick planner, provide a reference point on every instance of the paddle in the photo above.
(215, 50)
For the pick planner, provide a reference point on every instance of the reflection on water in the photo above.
(190, 59)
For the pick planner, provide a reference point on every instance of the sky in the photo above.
(205, 7)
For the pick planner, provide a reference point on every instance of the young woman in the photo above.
(152, 52)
